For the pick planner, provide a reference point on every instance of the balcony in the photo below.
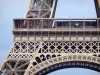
(51, 24)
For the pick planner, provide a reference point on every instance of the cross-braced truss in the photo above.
(29, 58)
(26, 50)
(15, 67)
(41, 9)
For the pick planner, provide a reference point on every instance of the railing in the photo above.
(46, 23)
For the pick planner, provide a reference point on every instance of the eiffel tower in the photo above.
(43, 44)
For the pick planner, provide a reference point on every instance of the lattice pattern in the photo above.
(56, 47)
(21, 56)
(25, 47)
(27, 50)
(40, 8)
(70, 47)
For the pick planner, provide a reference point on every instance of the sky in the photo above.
(10, 9)
(75, 9)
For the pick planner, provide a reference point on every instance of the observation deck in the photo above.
(45, 29)
(57, 25)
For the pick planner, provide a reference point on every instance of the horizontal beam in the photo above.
(58, 18)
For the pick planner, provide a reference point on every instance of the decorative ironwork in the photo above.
(55, 47)
(43, 44)
(65, 61)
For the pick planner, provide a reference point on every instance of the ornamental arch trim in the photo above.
(69, 61)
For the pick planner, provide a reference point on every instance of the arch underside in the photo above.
(70, 64)
(68, 61)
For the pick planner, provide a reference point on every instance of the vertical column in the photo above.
(97, 5)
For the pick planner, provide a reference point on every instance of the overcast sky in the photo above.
(10, 9)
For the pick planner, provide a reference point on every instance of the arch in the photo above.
(70, 64)
(69, 61)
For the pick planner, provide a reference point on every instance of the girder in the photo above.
(28, 49)
(41, 9)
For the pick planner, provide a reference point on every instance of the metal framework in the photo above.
(43, 44)
(41, 9)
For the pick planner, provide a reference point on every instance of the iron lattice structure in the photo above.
(43, 44)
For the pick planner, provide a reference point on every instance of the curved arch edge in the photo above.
(70, 64)
(68, 61)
